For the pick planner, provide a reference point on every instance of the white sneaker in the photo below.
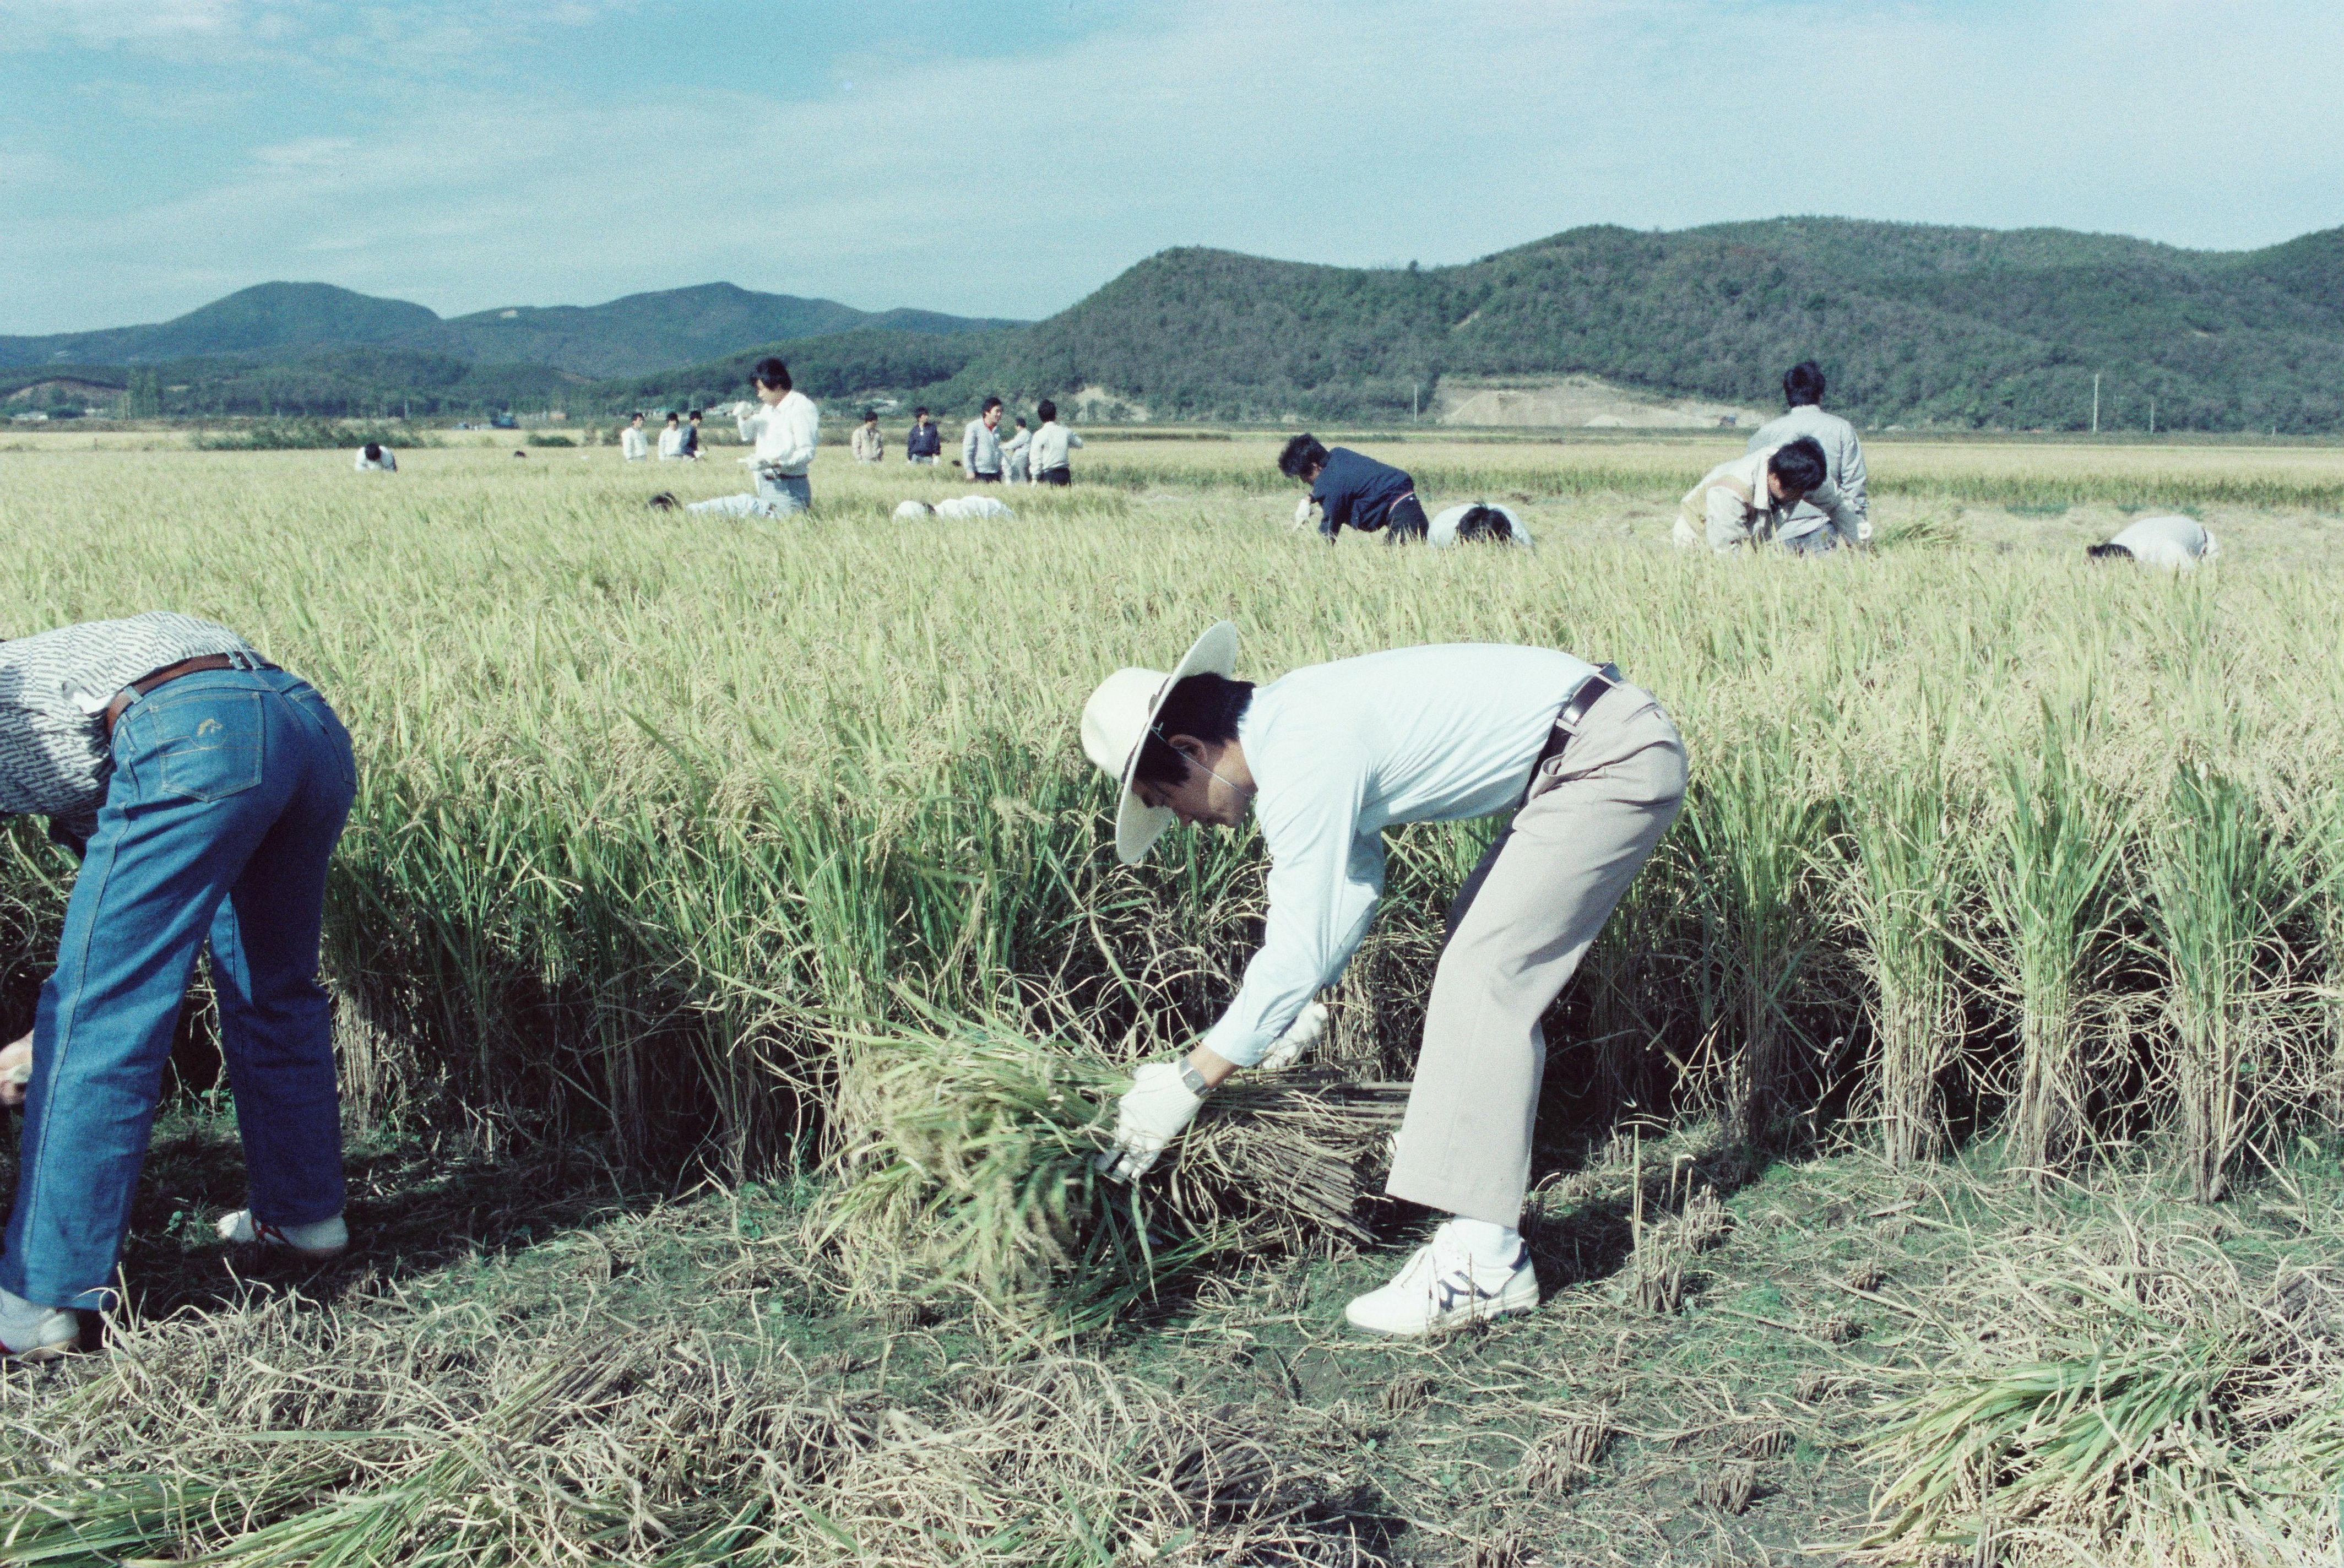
(1440, 1287)
(320, 1239)
(35, 1332)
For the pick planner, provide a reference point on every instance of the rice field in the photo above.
(1991, 853)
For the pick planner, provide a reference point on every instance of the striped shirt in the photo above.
(54, 691)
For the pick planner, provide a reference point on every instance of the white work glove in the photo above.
(1299, 1036)
(1302, 513)
(1157, 1108)
(15, 1070)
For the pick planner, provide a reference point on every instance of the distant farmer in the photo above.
(786, 428)
(926, 441)
(2177, 543)
(203, 789)
(1744, 502)
(962, 508)
(1590, 773)
(1806, 531)
(1478, 523)
(1045, 455)
(866, 443)
(670, 445)
(980, 444)
(376, 458)
(1355, 491)
(633, 445)
(1013, 455)
(690, 450)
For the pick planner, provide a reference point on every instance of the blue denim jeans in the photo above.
(778, 495)
(229, 792)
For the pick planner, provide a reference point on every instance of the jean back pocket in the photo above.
(206, 745)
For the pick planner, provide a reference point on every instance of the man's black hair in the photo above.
(919, 413)
(636, 415)
(374, 452)
(1021, 421)
(771, 372)
(869, 415)
(2109, 551)
(664, 501)
(695, 413)
(1801, 465)
(673, 417)
(989, 405)
(1046, 410)
(1803, 383)
(1206, 706)
(1300, 455)
(1484, 523)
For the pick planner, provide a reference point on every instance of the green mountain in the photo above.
(1914, 323)
(282, 323)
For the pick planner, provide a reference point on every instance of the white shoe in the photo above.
(1440, 1287)
(35, 1332)
(319, 1238)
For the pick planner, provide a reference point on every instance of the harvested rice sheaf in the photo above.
(967, 1166)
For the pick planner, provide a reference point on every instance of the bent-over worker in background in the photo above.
(1591, 772)
(1743, 503)
(785, 428)
(2176, 542)
(1806, 529)
(204, 789)
(1352, 489)
(1479, 522)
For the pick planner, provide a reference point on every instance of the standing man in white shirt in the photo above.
(1046, 459)
(670, 445)
(633, 445)
(785, 428)
(980, 444)
(1805, 529)
(1591, 772)
(2176, 542)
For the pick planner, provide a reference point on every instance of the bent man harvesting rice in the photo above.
(1592, 773)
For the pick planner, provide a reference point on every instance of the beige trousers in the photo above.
(1594, 816)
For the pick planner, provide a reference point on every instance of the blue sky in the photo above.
(1007, 160)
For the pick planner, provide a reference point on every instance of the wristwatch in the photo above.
(1193, 1080)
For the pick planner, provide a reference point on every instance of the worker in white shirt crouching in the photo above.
(1478, 523)
(1750, 502)
(785, 428)
(1590, 772)
(962, 508)
(376, 458)
(2178, 543)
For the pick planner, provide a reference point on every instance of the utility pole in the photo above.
(1414, 409)
(2095, 403)
(2152, 416)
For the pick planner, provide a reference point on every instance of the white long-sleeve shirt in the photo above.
(632, 446)
(1049, 448)
(1441, 532)
(671, 442)
(1842, 462)
(384, 464)
(1341, 751)
(785, 433)
(2180, 542)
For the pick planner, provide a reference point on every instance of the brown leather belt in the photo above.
(145, 684)
(1583, 696)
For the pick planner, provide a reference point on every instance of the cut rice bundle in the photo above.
(968, 1156)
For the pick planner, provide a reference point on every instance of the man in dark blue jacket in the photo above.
(925, 440)
(1350, 488)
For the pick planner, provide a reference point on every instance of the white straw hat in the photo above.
(1120, 715)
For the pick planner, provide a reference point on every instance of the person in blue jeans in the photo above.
(205, 789)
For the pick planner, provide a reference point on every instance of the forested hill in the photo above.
(282, 323)
(1915, 324)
